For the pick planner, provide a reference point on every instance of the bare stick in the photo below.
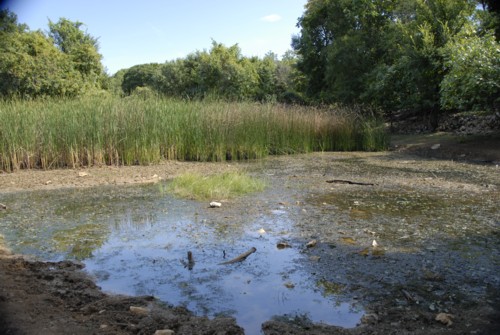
(340, 181)
(241, 257)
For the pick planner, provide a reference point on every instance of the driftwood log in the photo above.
(241, 257)
(340, 181)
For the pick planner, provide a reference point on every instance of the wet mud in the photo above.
(389, 258)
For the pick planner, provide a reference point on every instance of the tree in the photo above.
(144, 75)
(30, 66)
(81, 47)
(473, 77)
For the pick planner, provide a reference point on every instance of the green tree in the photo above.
(144, 75)
(473, 77)
(339, 43)
(81, 47)
(30, 66)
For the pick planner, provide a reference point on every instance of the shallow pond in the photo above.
(134, 240)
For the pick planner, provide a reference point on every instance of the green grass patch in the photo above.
(214, 187)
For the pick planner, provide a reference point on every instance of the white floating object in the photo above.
(215, 204)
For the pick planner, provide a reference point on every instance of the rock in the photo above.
(283, 245)
(289, 285)
(445, 318)
(139, 310)
(2, 207)
(215, 204)
(314, 258)
(164, 332)
(82, 174)
(311, 244)
(436, 146)
(369, 318)
(261, 231)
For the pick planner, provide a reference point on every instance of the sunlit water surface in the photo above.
(134, 240)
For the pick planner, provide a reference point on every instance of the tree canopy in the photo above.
(415, 56)
(66, 62)
(400, 54)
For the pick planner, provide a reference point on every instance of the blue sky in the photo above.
(138, 32)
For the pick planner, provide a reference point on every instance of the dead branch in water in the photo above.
(241, 257)
(340, 181)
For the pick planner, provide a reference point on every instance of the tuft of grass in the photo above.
(214, 187)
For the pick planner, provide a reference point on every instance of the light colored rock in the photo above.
(436, 146)
(311, 244)
(164, 332)
(139, 310)
(215, 204)
(82, 174)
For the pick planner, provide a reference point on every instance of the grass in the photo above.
(215, 187)
(125, 131)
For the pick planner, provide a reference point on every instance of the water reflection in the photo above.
(135, 241)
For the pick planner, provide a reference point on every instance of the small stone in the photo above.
(3, 207)
(314, 258)
(261, 231)
(164, 332)
(445, 318)
(215, 204)
(369, 318)
(311, 244)
(283, 245)
(289, 285)
(139, 310)
(48, 182)
(436, 146)
(82, 174)
(374, 244)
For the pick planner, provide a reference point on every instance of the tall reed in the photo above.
(106, 130)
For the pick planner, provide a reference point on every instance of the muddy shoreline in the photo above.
(404, 287)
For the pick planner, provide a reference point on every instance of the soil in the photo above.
(59, 298)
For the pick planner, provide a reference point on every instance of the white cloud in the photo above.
(271, 18)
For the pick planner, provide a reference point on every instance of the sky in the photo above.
(155, 31)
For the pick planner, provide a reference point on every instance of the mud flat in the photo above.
(418, 251)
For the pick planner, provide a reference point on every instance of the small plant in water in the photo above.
(221, 186)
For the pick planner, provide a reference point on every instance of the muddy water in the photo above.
(134, 240)
(435, 226)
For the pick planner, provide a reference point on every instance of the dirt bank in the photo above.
(403, 290)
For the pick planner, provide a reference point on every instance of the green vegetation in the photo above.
(125, 131)
(215, 187)
(398, 54)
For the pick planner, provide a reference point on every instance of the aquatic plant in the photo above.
(108, 130)
(214, 187)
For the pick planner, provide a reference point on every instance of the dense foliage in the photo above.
(416, 56)
(221, 72)
(64, 63)
(420, 56)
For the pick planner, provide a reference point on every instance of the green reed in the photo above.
(112, 131)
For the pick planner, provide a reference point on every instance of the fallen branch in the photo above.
(241, 257)
(340, 181)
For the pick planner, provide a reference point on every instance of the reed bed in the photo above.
(125, 131)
